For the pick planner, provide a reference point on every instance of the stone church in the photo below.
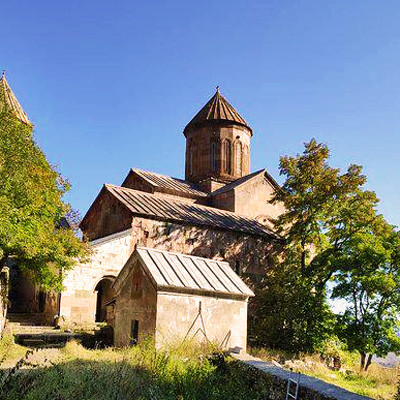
(220, 213)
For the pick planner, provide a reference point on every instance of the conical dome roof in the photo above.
(8, 101)
(217, 109)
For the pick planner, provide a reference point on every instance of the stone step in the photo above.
(18, 328)
(41, 340)
(23, 316)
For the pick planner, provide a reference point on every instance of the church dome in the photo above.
(216, 110)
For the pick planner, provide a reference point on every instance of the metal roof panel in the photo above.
(191, 273)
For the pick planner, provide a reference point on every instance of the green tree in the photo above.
(369, 279)
(289, 314)
(32, 232)
(324, 210)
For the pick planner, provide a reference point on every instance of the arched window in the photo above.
(213, 156)
(246, 161)
(238, 158)
(190, 157)
(227, 157)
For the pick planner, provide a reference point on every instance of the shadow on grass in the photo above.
(101, 380)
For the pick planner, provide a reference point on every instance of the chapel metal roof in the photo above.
(217, 109)
(154, 207)
(188, 273)
(8, 101)
(170, 183)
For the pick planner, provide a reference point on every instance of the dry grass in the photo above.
(141, 372)
(9, 351)
(378, 382)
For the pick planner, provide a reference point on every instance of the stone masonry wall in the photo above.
(275, 380)
(78, 300)
(137, 300)
(246, 254)
(181, 315)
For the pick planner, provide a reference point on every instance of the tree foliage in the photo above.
(369, 279)
(32, 229)
(332, 233)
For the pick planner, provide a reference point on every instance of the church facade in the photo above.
(219, 212)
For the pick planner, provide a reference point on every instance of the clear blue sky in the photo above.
(111, 85)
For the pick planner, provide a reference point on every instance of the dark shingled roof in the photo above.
(217, 109)
(170, 183)
(154, 207)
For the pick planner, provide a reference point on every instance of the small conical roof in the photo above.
(217, 109)
(8, 101)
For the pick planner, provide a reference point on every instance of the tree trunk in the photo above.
(3, 262)
(369, 361)
(363, 355)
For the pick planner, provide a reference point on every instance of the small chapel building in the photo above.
(217, 221)
(173, 297)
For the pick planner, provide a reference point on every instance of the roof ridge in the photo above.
(180, 254)
(164, 175)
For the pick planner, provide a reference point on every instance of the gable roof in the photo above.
(217, 109)
(169, 183)
(184, 273)
(149, 206)
(8, 101)
(245, 179)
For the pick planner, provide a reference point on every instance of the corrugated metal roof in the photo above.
(8, 101)
(169, 183)
(217, 109)
(150, 206)
(189, 273)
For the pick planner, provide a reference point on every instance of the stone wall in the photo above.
(248, 255)
(136, 301)
(78, 299)
(220, 320)
(106, 216)
(4, 280)
(199, 143)
(275, 379)
(252, 199)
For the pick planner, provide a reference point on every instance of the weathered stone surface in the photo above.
(245, 253)
(78, 300)
(105, 217)
(248, 255)
(220, 151)
(219, 320)
(137, 300)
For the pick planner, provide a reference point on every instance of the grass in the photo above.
(9, 351)
(180, 372)
(378, 382)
